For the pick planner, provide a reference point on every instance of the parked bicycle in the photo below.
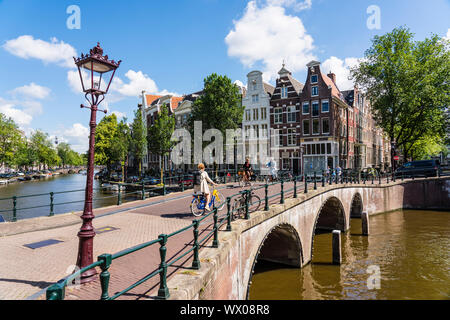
(198, 204)
(239, 204)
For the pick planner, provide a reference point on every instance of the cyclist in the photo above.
(272, 165)
(201, 179)
(247, 170)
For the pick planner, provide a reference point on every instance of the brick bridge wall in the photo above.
(285, 233)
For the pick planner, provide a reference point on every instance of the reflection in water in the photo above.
(411, 248)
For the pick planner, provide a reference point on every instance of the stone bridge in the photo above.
(285, 233)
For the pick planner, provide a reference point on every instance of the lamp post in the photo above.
(94, 70)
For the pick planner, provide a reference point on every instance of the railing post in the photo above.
(336, 176)
(373, 179)
(215, 243)
(52, 213)
(143, 190)
(228, 214)
(282, 192)
(295, 188)
(182, 183)
(306, 184)
(315, 182)
(119, 195)
(247, 199)
(387, 177)
(106, 260)
(163, 292)
(379, 177)
(14, 219)
(323, 178)
(266, 197)
(393, 176)
(55, 292)
(196, 261)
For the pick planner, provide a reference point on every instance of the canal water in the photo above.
(409, 250)
(64, 202)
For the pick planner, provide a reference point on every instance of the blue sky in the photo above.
(171, 46)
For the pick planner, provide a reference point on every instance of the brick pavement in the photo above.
(24, 271)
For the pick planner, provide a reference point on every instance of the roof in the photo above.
(175, 101)
(151, 98)
(298, 86)
(334, 89)
(268, 88)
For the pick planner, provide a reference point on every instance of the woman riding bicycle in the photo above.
(247, 170)
(202, 186)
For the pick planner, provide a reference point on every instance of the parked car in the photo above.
(151, 180)
(132, 179)
(188, 181)
(427, 168)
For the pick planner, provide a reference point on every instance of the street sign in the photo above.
(396, 158)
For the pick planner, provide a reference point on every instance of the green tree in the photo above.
(64, 152)
(10, 139)
(138, 141)
(219, 107)
(25, 155)
(42, 147)
(407, 83)
(159, 136)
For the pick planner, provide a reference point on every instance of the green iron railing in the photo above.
(104, 261)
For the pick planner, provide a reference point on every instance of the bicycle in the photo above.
(239, 204)
(243, 182)
(198, 204)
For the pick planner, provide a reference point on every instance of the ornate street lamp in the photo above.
(96, 74)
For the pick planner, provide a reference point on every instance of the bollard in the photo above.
(163, 292)
(164, 186)
(247, 199)
(143, 190)
(182, 183)
(106, 260)
(119, 195)
(365, 223)
(387, 177)
(282, 192)
(336, 244)
(373, 179)
(379, 178)
(14, 219)
(52, 213)
(228, 214)
(393, 176)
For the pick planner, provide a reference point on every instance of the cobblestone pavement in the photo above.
(26, 272)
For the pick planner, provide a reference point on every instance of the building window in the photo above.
(315, 108)
(305, 109)
(264, 130)
(325, 106)
(306, 129)
(292, 137)
(263, 114)
(255, 114)
(315, 91)
(255, 98)
(278, 138)
(284, 92)
(316, 126)
(255, 86)
(255, 132)
(314, 78)
(286, 164)
(325, 126)
(292, 116)
(278, 117)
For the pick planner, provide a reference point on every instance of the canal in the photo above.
(64, 202)
(410, 250)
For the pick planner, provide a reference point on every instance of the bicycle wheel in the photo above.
(237, 211)
(255, 202)
(197, 207)
(220, 201)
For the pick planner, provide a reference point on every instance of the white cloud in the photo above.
(295, 4)
(448, 35)
(268, 35)
(138, 82)
(77, 136)
(119, 115)
(341, 68)
(239, 83)
(32, 91)
(55, 51)
(19, 116)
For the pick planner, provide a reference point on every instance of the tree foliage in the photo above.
(407, 83)
(138, 141)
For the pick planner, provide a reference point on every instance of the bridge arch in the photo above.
(356, 206)
(282, 245)
(331, 216)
